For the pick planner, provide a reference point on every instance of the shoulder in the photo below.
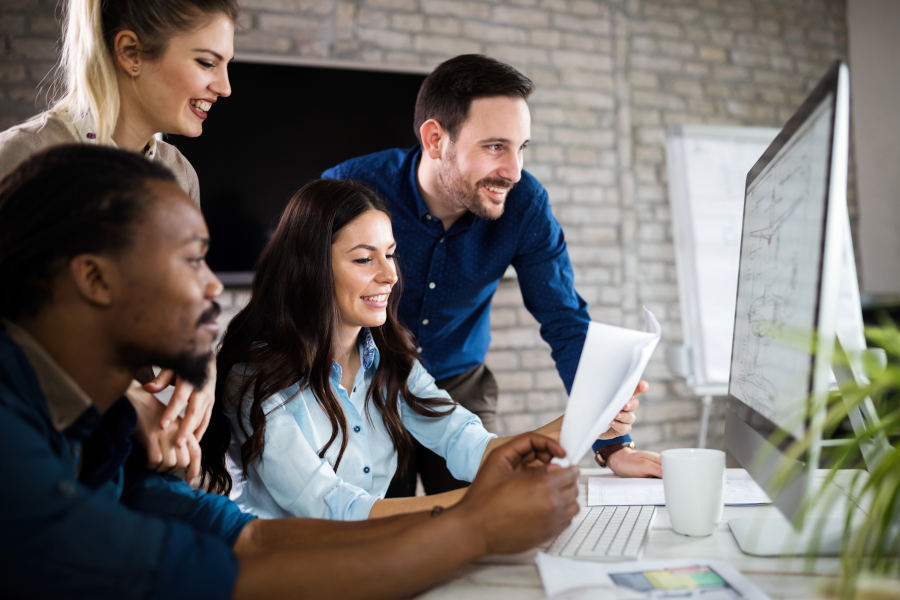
(171, 157)
(373, 167)
(528, 191)
(21, 141)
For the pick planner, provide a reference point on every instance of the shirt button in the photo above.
(441, 241)
(427, 217)
(366, 469)
(425, 321)
(432, 285)
(357, 428)
(66, 488)
(419, 349)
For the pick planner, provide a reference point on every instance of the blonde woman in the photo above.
(131, 69)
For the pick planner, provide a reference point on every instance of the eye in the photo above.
(206, 64)
(391, 256)
(362, 261)
(495, 147)
(196, 261)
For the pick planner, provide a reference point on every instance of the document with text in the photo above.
(610, 367)
(609, 490)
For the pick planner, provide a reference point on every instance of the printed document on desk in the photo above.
(651, 579)
(740, 489)
(611, 364)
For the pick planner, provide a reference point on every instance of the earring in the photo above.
(134, 70)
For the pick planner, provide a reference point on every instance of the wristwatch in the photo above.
(603, 454)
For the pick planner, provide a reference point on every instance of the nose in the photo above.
(388, 272)
(221, 85)
(214, 287)
(511, 167)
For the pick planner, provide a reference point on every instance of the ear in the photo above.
(92, 276)
(432, 135)
(127, 51)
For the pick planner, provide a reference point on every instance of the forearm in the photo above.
(381, 558)
(397, 506)
(551, 430)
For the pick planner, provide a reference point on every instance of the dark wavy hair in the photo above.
(285, 333)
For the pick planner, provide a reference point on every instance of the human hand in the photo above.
(628, 462)
(164, 453)
(623, 422)
(516, 506)
(199, 402)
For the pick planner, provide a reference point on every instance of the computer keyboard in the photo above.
(605, 533)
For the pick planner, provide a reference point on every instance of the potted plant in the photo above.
(870, 555)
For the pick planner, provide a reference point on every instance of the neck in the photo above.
(130, 138)
(439, 205)
(345, 345)
(131, 132)
(78, 351)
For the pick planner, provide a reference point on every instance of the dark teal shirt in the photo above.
(81, 518)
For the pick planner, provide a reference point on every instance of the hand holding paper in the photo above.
(610, 367)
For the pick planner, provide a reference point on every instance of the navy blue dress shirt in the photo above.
(78, 520)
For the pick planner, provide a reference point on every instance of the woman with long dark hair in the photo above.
(320, 383)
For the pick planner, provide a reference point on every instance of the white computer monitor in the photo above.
(797, 306)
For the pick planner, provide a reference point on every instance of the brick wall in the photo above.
(610, 77)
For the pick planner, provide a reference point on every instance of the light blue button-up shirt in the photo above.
(291, 479)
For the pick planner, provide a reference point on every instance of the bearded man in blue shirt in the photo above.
(463, 211)
(102, 261)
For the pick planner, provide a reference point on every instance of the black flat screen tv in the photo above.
(282, 126)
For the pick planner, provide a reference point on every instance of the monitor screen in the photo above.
(780, 275)
(282, 126)
(793, 274)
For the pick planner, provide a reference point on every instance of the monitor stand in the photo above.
(775, 536)
(824, 529)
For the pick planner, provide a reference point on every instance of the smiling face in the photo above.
(364, 270)
(175, 91)
(482, 164)
(165, 313)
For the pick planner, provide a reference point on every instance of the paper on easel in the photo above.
(611, 365)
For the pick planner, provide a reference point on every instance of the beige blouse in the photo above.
(47, 129)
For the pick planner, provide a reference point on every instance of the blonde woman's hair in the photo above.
(86, 72)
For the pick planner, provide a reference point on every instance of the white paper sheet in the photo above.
(675, 578)
(611, 364)
(611, 490)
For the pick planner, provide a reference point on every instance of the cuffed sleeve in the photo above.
(459, 436)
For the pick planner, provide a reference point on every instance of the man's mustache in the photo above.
(210, 314)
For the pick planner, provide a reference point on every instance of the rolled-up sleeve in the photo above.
(459, 436)
(301, 483)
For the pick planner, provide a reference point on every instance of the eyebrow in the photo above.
(368, 247)
(496, 140)
(202, 239)
(213, 52)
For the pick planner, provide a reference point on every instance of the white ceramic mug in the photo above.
(694, 480)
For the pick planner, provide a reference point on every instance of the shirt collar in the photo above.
(66, 401)
(84, 129)
(421, 207)
(368, 352)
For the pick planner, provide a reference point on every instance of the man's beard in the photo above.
(461, 192)
(190, 367)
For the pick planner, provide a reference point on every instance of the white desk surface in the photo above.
(780, 578)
